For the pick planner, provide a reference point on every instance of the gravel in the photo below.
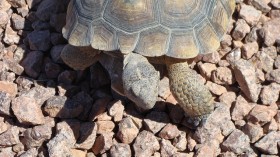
(49, 109)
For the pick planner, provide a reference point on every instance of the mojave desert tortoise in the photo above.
(165, 31)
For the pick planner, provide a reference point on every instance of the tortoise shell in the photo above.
(175, 28)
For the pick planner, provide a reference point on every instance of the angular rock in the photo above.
(246, 78)
(166, 148)
(102, 143)
(218, 124)
(170, 131)
(78, 153)
(273, 76)
(227, 98)
(163, 88)
(105, 126)
(205, 150)
(250, 14)
(11, 37)
(223, 75)
(146, 144)
(270, 94)
(180, 142)
(241, 108)
(3, 126)
(34, 137)
(155, 121)
(255, 132)
(249, 49)
(5, 105)
(62, 107)
(262, 61)
(271, 31)
(8, 87)
(18, 22)
(10, 137)
(268, 144)
(206, 69)
(215, 88)
(27, 111)
(52, 70)
(32, 63)
(116, 109)
(87, 135)
(4, 18)
(39, 93)
(127, 130)
(237, 142)
(240, 30)
(261, 114)
(39, 40)
(59, 146)
(120, 149)
(33, 152)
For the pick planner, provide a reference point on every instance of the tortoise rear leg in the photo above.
(190, 92)
(140, 81)
(79, 58)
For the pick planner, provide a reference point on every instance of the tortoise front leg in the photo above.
(190, 92)
(79, 58)
(140, 81)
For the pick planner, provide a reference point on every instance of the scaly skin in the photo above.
(190, 92)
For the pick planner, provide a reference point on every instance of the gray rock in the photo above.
(155, 121)
(10, 137)
(40, 40)
(5, 105)
(62, 107)
(32, 63)
(237, 142)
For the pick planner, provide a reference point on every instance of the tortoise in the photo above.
(169, 32)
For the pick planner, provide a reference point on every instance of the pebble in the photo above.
(120, 149)
(155, 121)
(146, 144)
(105, 126)
(270, 31)
(270, 93)
(116, 109)
(254, 131)
(27, 111)
(166, 148)
(5, 101)
(9, 88)
(32, 63)
(250, 14)
(241, 108)
(245, 75)
(237, 142)
(261, 114)
(102, 143)
(170, 131)
(62, 107)
(223, 76)
(273, 76)
(215, 88)
(10, 137)
(268, 144)
(127, 130)
(87, 135)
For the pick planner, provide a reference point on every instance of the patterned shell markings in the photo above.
(177, 28)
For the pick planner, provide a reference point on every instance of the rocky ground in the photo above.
(48, 109)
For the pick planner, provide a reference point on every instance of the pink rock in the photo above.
(223, 75)
(213, 57)
(271, 31)
(206, 69)
(155, 121)
(245, 76)
(262, 61)
(273, 76)
(105, 126)
(163, 89)
(120, 149)
(87, 135)
(261, 114)
(250, 14)
(115, 109)
(241, 108)
(228, 98)
(8, 87)
(27, 111)
(254, 131)
(237, 142)
(268, 144)
(166, 148)
(249, 49)
(10, 137)
(127, 130)
(169, 132)
(240, 30)
(103, 143)
(205, 150)
(146, 144)
(270, 93)
(215, 88)
(180, 142)
(78, 153)
(4, 18)
(11, 36)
